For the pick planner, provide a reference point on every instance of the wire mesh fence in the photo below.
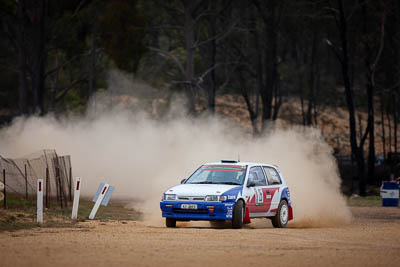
(21, 174)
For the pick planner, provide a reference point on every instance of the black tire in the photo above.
(238, 215)
(281, 218)
(170, 222)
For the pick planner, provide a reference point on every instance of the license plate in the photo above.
(189, 206)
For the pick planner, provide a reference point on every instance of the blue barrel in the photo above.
(390, 194)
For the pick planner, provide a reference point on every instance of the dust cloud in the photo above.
(142, 156)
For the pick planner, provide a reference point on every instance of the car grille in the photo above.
(198, 211)
(191, 198)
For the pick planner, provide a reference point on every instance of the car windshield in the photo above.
(218, 174)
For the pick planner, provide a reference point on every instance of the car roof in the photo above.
(241, 164)
(250, 164)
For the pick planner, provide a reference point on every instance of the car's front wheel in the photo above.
(238, 215)
(169, 222)
(281, 218)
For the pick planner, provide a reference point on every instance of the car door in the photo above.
(257, 192)
(273, 189)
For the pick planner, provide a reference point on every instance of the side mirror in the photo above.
(251, 183)
(183, 181)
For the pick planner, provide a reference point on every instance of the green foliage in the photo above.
(70, 28)
(121, 32)
(369, 201)
(76, 100)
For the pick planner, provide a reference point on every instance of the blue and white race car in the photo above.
(230, 190)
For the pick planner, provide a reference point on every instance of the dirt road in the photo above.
(373, 239)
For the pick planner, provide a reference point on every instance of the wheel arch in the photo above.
(246, 218)
(290, 208)
(242, 199)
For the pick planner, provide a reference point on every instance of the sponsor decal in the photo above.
(229, 211)
(231, 197)
(259, 196)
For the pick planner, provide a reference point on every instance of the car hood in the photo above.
(199, 189)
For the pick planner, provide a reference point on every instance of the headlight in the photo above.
(211, 198)
(215, 198)
(169, 197)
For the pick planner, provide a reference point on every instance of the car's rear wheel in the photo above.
(281, 218)
(169, 222)
(238, 215)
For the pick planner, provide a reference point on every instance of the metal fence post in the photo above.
(47, 188)
(70, 184)
(5, 193)
(59, 187)
(26, 183)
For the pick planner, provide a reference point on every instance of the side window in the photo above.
(272, 176)
(257, 175)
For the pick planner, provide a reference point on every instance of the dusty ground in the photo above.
(373, 239)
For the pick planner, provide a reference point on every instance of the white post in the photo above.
(77, 193)
(39, 212)
(98, 201)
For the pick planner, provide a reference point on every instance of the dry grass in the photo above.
(21, 214)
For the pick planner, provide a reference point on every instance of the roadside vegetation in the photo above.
(369, 201)
(21, 214)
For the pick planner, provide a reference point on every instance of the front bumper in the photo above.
(221, 210)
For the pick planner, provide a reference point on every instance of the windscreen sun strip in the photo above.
(231, 168)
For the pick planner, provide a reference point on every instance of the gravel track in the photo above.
(372, 239)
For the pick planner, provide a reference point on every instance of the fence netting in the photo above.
(22, 173)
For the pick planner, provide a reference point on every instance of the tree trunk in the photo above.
(390, 129)
(301, 90)
(311, 80)
(270, 63)
(253, 113)
(395, 121)
(371, 123)
(277, 101)
(54, 86)
(356, 151)
(213, 88)
(189, 45)
(362, 187)
(259, 65)
(22, 87)
(92, 64)
(39, 56)
(383, 125)
(303, 113)
(370, 96)
(316, 97)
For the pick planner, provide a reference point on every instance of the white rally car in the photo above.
(230, 190)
